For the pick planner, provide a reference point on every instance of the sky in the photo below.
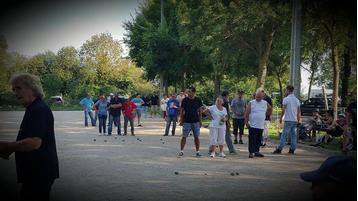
(32, 27)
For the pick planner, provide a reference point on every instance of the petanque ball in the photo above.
(176, 172)
(94, 139)
(237, 173)
(163, 142)
(115, 137)
(123, 140)
(232, 174)
(205, 173)
(140, 140)
(105, 140)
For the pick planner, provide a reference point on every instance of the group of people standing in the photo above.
(113, 106)
(255, 112)
(187, 109)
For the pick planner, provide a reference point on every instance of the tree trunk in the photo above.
(182, 78)
(334, 106)
(281, 89)
(311, 84)
(346, 75)
(261, 78)
(325, 98)
(166, 85)
(216, 87)
(264, 47)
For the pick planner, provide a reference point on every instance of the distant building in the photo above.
(319, 93)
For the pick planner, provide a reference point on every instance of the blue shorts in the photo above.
(195, 127)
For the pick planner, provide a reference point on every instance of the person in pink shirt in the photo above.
(128, 109)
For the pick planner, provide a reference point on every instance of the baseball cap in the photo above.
(240, 92)
(111, 94)
(116, 94)
(259, 89)
(224, 93)
(315, 110)
(126, 97)
(342, 115)
(340, 169)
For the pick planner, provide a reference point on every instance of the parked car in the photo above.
(58, 99)
(308, 106)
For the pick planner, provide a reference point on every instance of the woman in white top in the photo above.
(163, 105)
(218, 115)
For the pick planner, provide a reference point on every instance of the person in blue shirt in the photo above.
(87, 103)
(172, 110)
(103, 106)
(138, 102)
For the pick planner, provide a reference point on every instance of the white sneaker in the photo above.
(105, 134)
(222, 155)
(99, 134)
(212, 155)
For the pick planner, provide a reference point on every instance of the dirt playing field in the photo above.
(125, 168)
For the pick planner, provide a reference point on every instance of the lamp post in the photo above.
(295, 62)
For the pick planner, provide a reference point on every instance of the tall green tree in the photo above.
(257, 26)
(159, 50)
(334, 27)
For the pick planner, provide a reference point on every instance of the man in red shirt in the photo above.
(128, 109)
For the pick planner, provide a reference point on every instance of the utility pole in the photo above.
(295, 62)
(161, 73)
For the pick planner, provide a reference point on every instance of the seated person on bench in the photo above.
(337, 128)
(312, 122)
(328, 120)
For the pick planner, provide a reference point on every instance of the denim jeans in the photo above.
(255, 135)
(102, 122)
(289, 127)
(154, 109)
(126, 119)
(95, 117)
(171, 119)
(87, 113)
(117, 120)
(145, 110)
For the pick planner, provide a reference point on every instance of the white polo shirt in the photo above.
(292, 104)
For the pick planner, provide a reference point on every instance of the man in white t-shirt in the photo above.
(256, 112)
(292, 112)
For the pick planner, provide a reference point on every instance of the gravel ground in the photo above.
(145, 170)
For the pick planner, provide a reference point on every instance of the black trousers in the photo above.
(238, 125)
(36, 191)
(255, 136)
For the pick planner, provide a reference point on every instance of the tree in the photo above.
(160, 50)
(257, 26)
(333, 26)
(104, 68)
